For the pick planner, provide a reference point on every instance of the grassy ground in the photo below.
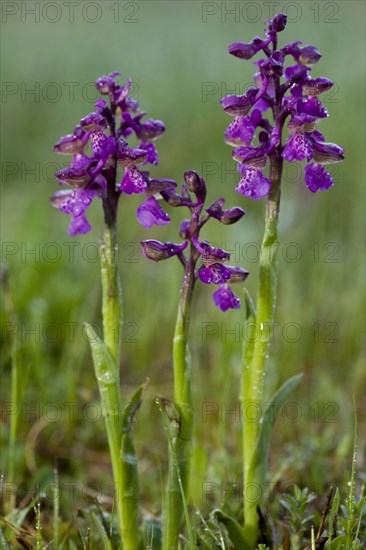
(175, 52)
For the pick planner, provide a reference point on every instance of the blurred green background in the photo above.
(176, 55)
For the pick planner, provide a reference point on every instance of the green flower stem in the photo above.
(111, 286)
(256, 354)
(107, 372)
(180, 450)
(124, 472)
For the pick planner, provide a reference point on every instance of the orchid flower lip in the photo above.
(253, 183)
(132, 181)
(225, 298)
(150, 213)
(215, 273)
(317, 178)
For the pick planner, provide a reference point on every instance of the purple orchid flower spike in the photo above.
(284, 88)
(203, 262)
(99, 148)
(288, 91)
(98, 145)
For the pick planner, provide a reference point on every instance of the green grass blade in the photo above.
(236, 532)
(260, 458)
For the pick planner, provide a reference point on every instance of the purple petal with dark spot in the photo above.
(133, 182)
(254, 184)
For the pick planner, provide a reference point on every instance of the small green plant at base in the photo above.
(298, 516)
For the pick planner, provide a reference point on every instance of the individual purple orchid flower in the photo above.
(150, 212)
(289, 92)
(98, 145)
(203, 262)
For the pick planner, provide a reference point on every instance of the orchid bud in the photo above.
(246, 50)
(174, 199)
(227, 217)
(309, 55)
(279, 23)
(156, 250)
(106, 84)
(152, 129)
(184, 230)
(195, 184)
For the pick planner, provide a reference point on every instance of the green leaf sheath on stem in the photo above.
(121, 453)
(129, 460)
(255, 352)
(248, 430)
(180, 429)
